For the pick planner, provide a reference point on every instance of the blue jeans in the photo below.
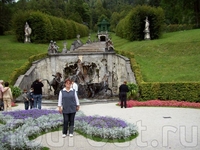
(37, 101)
(26, 105)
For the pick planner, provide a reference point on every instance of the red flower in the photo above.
(13, 104)
(169, 103)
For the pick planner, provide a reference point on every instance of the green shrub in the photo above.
(132, 26)
(181, 91)
(16, 91)
(133, 91)
(19, 71)
(45, 27)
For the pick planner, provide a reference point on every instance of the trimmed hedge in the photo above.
(132, 26)
(45, 27)
(22, 70)
(179, 27)
(184, 91)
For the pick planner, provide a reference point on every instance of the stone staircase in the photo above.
(52, 101)
(82, 101)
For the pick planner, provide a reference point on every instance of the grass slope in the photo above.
(174, 57)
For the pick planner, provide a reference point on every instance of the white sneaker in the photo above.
(64, 135)
(71, 135)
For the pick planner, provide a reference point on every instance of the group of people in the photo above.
(28, 99)
(6, 96)
(68, 101)
(33, 98)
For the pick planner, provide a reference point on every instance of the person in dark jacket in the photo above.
(123, 89)
(68, 104)
(26, 99)
(37, 93)
(31, 100)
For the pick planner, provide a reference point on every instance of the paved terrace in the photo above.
(160, 128)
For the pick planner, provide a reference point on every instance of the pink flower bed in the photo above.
(169, 103)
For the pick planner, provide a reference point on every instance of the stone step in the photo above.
(82, 101)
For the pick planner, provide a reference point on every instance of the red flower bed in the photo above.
(170, 103)
(13, 104)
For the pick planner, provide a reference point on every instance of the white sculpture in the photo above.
(27, 31)
(146, 30)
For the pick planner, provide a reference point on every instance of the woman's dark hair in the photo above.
(6, 84)
(68, 80)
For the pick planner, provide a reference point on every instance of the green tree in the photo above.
(76, 17)
(5, 15)
(181, 11)
(114, 21)
(86, 14)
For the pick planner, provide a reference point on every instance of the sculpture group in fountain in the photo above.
(87, 76)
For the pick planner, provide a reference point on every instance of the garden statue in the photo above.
(88, 41)
(109, 45)
(53, 48)
(146, 30)
(65, 47)
(76, 44)
(27, 31)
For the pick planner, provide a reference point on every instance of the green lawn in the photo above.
(174, 57)
(14, 54)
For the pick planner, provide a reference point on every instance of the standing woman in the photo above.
(7, 97)
(68, 104)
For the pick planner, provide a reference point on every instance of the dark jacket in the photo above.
(37, 87)
(123, 88)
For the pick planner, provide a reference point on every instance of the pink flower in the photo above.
(168, 103)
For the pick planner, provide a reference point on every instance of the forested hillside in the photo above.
(88, 12)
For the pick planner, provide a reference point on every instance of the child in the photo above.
(31, 100)
(26, 99)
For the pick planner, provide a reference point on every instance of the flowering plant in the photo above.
(105, 127)
(171, 103)
(17, 126)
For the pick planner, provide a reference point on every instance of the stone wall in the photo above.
(118, 66)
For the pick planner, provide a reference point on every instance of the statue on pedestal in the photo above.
(53, 48)
(146, 30)
(27, 31)
(65, 47)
